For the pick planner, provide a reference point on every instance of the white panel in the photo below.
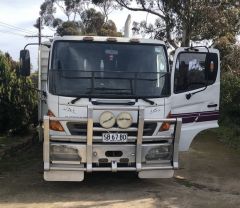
(72, 111)
(154, 112)
(190, 131)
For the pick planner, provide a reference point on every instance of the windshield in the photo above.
(100, 69)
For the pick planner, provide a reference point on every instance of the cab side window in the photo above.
(194, 71)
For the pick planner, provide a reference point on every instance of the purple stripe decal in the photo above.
(208, 117)
(197, 116)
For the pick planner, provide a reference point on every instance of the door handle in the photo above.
(212, 105)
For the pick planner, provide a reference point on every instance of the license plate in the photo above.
(114, 137)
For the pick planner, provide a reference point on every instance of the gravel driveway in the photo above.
(209, 177)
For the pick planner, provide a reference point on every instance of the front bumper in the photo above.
(67, 157)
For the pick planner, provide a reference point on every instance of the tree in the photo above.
(68, 28)
(178, 22)
(106, 7)
(81, 17)
(109, 29)
(91, 21)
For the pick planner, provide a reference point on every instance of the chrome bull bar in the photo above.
(89, 142)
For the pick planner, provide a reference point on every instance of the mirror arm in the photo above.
(36, 44)
(42, 92)
(195, 48)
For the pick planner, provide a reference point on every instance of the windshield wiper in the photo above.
(75, 100)
(149, 101)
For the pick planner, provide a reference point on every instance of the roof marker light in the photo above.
(135, 40)
(112, 39)
(88, 38)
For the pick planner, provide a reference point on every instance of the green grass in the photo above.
(229, 135)
(12, 146)
(13, 149)
(22, 159)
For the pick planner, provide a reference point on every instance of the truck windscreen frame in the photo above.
(108, 70)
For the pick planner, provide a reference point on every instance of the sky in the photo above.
(23, 14)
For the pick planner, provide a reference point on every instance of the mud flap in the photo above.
(156, 174)
(59, 175)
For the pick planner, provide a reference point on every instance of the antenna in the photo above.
(127, 27)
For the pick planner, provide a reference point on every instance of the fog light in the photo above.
(62, 149)
(107, 119)
(124, 120)
(63, 152)
(158, 153)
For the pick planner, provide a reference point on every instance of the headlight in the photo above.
(158, 153)
(124, 120)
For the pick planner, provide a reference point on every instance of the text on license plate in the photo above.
(114, 137)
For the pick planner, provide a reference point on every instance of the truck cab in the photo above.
(114, 104)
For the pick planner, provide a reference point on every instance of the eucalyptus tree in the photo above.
(180, 21)
(80, 17)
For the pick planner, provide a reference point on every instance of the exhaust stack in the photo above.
(127, 27)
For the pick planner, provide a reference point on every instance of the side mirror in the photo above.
(211, 67)
(25, 65)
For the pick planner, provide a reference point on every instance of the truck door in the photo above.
(195, 89)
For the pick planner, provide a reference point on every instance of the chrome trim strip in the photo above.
(80, 120)
(132, 129)
(110, 169)
(99, 138)
(157, 137)
(65, 162)
(46, 148)
(89, 139)
(68, 138)
(177, 132)
(170, 120)
(139, 139)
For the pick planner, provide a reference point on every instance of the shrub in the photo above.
(18, 100)
(230, 99)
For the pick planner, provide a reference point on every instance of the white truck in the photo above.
(114, 104)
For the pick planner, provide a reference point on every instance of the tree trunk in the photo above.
(186, 23)
(185, 36)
